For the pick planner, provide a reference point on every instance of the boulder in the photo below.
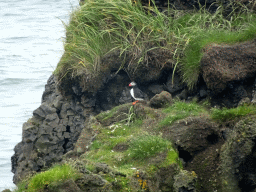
(185, 181)
(224, 65)
(161, 100)
(238, 157)
(174, 84)
(192, 135)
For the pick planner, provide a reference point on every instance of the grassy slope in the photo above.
(126, 146)
(102, 27)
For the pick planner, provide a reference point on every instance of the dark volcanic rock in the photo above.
(254, 93)
(238, 157)
(155, 88)
(222, 65)
(192, 135)
(161, 100)
(174, 84)
(113, 92)
(185, 181)
(198, 140)
(50, 133)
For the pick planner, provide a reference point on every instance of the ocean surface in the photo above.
(31, 44)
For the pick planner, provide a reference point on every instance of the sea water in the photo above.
(31, 44)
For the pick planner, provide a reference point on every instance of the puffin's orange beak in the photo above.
(130, 85)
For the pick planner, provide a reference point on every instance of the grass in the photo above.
(180, 110)
(146, 146)
(50, 178)
(108, 114)
(123, 113)
(225, 114)
(140, 148)
(143, 147)
(103, 27)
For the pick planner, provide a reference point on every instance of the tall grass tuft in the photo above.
(101, 27)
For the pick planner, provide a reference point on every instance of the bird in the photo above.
(136, 93)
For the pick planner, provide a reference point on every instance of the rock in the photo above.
(49, 89)
(254, 92)
(113, 91)
(238, 157)
(29, 131)
(39, 113)
(57, 102)
(155, 88)
(192, 135)
(50, 133)
(222, 65)
(47, 109)
(165, 177)
(244, 101)
(183, 95)
(161, 100)
(175, 84)
(203, 91)
(94, 182)
(185, 181)
(88, 102)
(65, 186)
(125, 96)
(102, 167)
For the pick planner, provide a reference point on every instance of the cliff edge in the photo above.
(183, 138)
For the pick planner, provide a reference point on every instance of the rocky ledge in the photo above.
(227, 79)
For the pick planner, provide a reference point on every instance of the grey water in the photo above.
(31, 44)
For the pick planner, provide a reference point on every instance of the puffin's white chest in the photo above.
(133, 95)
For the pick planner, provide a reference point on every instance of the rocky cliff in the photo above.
(215, 155)
(57, 124)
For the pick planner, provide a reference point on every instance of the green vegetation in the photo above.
(145, 146)
(130, 31)
(50, 178)
(128, 148)
(108, 114)
(225, 114)
(180, 110)
(120, 147)
(104, 27)
(122, 114)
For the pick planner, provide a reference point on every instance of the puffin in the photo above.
(136, 93)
